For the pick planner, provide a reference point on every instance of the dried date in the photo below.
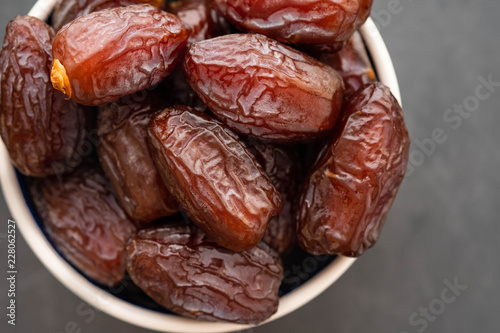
(213, 177)
(348, 194)
(179, 92)
(68, 10)
(282, 165)
(38, 126)
(186, 272)
(125, 157)
(296, 21)
(352, 63)
(111, 53)
(83, 219)
(204, 21)
(264, 89)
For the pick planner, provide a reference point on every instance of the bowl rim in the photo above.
(150, 319)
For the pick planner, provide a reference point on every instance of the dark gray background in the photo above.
(444, 224)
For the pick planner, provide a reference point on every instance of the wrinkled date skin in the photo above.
(293, 21)
(264, 89)
(68, 10)
(213, 177)
(353, 64)
(282, 165)
(347, 196)
(124, 154)
(111, 53)
(38, 126)
(204, 21)
(83, 219)
(183, 270)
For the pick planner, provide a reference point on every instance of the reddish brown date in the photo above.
(82, 218)
(184, 271)
(264, 89)
(38, 126)
(352, 63)
(213, 177)
(124, 154)
(204, 21)
(282, 165)
(68, 10)
(365, 8)
(347, 196)
(295, 21)
(111, 53)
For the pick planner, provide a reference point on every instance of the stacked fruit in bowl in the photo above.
(196, 147)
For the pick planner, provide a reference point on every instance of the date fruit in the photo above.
(68, 10)
(348, 194)
(111, 53)
(124, 154)
(262, 88)
(82, 217)
(294, 21)
(179, 92)
(282, 165)
(184, 271)
(214, 178)
(365, 8)
(38, 126)
(352, 63)
(204, 21)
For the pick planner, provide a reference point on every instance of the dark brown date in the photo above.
(111, 53)
(125, 157)
(213, 177)
(196, 14)
(347, 196)
(38, 126)
(365, 8)
(204, 21)
(264, 89)
(282, 165)
(179, 92)
(83, 219)
(68, 10)
(352, 63)
(295, 21)
(186, 272)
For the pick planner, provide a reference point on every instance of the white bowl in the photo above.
(109, 303)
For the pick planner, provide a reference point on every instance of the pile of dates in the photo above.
(191, 145)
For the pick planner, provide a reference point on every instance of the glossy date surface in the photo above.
(282, 165)
(125, 157)
(348, 194)
(38, 126)
(352, 63)
(213, 177)
(83, 219)
(186, 272)
(262, 88)
(204, 21)
(295, 21)
(111, 53)
(68, 10)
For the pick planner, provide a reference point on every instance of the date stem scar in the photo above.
(59, 78)
(330, 175)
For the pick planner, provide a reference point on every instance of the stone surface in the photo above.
(444, 225)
